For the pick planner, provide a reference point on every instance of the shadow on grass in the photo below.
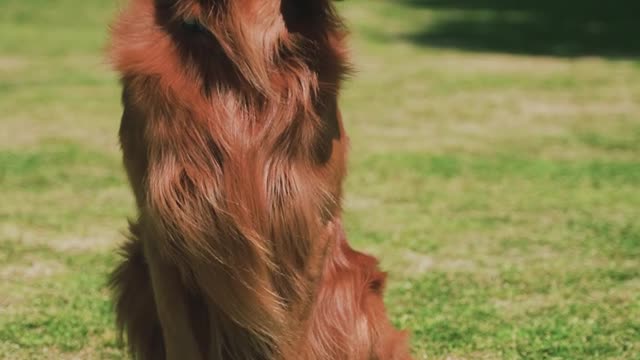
(533, 27)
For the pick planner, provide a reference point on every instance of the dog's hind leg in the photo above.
(136, 312)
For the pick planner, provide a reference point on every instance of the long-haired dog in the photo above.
(235, 150)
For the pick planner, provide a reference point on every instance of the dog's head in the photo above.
(237, 43)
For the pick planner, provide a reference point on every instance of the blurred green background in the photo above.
(495, 169)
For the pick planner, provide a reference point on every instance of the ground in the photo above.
(498, 182)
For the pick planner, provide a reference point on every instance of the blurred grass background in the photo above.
(494, 168)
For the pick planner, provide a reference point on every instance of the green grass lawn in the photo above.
(499, 186)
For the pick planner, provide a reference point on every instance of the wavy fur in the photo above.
(235, 150)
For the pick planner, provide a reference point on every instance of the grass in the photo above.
(500, 187)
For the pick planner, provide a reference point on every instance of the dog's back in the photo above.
(235, 150)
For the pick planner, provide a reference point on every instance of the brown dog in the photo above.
(235, 150)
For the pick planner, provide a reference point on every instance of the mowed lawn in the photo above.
(499, 186)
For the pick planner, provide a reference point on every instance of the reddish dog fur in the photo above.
(235, 150)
